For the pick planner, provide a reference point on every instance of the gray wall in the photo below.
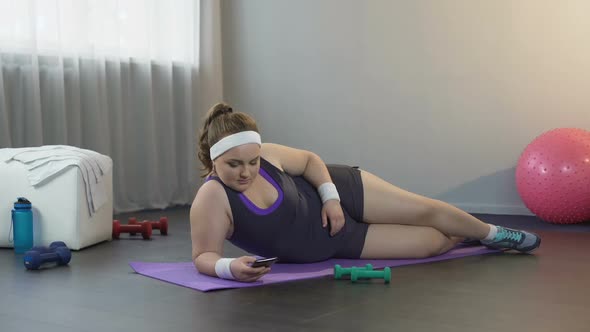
(437, 97)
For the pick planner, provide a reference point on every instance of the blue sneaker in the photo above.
(508, 238)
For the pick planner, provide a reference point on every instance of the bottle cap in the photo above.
(22, 203)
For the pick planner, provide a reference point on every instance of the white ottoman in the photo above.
(60, 208)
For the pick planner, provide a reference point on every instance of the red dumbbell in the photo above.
(145, 228)
(161, 225)
(133, 221)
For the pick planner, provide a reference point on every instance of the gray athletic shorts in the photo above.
(350, 188)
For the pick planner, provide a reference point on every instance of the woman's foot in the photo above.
(508, 238)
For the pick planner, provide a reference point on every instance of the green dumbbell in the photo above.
(340, 271)
(384, 274)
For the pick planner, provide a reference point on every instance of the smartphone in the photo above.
(265, 262)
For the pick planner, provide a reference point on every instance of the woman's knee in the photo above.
(430, 211)
(437, 211)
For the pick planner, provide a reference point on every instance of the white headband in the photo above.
(228, 142)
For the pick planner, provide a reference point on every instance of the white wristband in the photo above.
(222, 268)
(328, 191)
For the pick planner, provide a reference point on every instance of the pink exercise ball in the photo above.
(553, 176)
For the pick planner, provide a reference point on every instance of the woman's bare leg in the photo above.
(388, 204)
(390, 241)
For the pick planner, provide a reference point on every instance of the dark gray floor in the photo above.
(98, 291)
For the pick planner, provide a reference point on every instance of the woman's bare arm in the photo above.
(210, 224)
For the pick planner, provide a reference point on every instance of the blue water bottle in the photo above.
(22, 224)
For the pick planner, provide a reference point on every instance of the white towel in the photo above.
(45, 162)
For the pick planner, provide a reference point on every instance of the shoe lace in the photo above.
(511, 235)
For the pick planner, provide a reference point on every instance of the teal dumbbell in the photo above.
(384, 274)
(340, 271)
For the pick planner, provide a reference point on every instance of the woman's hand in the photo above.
(242, 271)
(332, 212)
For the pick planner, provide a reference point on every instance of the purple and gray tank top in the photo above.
(291, 228)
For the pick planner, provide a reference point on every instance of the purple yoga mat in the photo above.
(185, 274)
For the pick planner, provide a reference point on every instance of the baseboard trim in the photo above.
(494, 209)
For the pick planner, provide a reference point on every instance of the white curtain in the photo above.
(129, 78)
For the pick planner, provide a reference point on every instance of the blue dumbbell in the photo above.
(57, 252)
(53, 245)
